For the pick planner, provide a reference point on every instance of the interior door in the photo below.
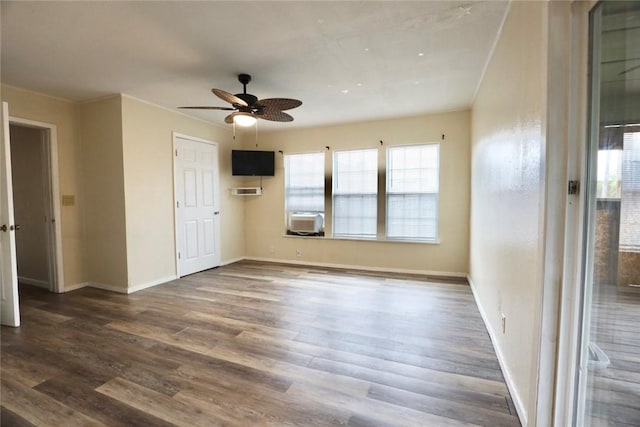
(10, 314)
(197, 205)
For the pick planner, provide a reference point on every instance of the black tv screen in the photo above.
(252, 163)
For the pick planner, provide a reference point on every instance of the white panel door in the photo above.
(197, 205)
(9, 276)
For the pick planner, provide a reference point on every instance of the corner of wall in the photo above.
(508, 377)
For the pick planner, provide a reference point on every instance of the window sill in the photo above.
(354, 239)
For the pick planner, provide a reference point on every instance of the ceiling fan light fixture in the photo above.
(244, 119)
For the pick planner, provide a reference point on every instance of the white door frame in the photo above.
(570, 325)
(175, 136)
(9, 299)
(54, 228)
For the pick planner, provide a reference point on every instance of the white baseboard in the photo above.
(157, 282)
(231, 261)
(73, 287)
(508, 378)
(360, 267)
(105, 287)
(34, 282)
(131, 289)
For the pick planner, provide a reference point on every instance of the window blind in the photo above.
(412, 192)
(630, 200)
(355, 193)
(304, 182)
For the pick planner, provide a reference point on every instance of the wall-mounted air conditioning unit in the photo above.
(246, 191)
(305, 223)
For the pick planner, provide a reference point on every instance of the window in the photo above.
(412, 192)
(355, 193)
(630, 201)
(304, 190)
(609, 174)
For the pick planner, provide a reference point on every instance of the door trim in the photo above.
(9, 297)
(54, 230)
(569, 329)
(175, 136)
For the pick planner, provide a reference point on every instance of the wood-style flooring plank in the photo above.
(38, 408)
(613, 393)
(257, 343)
(382, 365)
(372, 409)
(161, 406)
(109, 411)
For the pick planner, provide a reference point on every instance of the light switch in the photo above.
(68, 200)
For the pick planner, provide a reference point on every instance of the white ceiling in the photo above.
(346, 60)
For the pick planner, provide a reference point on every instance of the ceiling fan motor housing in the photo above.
(248, 98)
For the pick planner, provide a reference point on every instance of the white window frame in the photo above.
(335, 193)
(387, 193)
(287, 209)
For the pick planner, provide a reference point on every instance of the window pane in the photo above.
(630, 203)
(609, 174)
(355, 188)
(304, 182)
(412, 192)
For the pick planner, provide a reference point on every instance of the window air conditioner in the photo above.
(305, 223)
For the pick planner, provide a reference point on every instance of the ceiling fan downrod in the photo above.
(246, 97)
(244, 79)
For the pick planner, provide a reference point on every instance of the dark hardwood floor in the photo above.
(255, 344)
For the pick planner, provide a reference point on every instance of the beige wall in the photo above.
(507, 197)
(264, 215)
(115, 159)
(63, 114)
(104, 201)
(27, 168)
(148, 181)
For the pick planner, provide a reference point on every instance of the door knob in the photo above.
(4, 228)
(14, 227)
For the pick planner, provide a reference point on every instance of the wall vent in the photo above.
(246, 191)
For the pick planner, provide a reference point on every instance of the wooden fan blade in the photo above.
(204, 107)
(231, 99)
(274, 116)
(279, 104)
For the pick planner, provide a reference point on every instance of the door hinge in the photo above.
(178, 255)
(176, 152)
(177, 204)
(574, 187)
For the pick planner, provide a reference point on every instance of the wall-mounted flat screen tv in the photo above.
(252, 163)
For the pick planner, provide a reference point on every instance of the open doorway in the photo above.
(35, 209)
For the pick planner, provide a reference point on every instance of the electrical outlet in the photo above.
(503, 320)
(298, 252)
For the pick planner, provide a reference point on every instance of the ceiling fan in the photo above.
(247, 107)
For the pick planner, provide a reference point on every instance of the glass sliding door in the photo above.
(608, 383)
